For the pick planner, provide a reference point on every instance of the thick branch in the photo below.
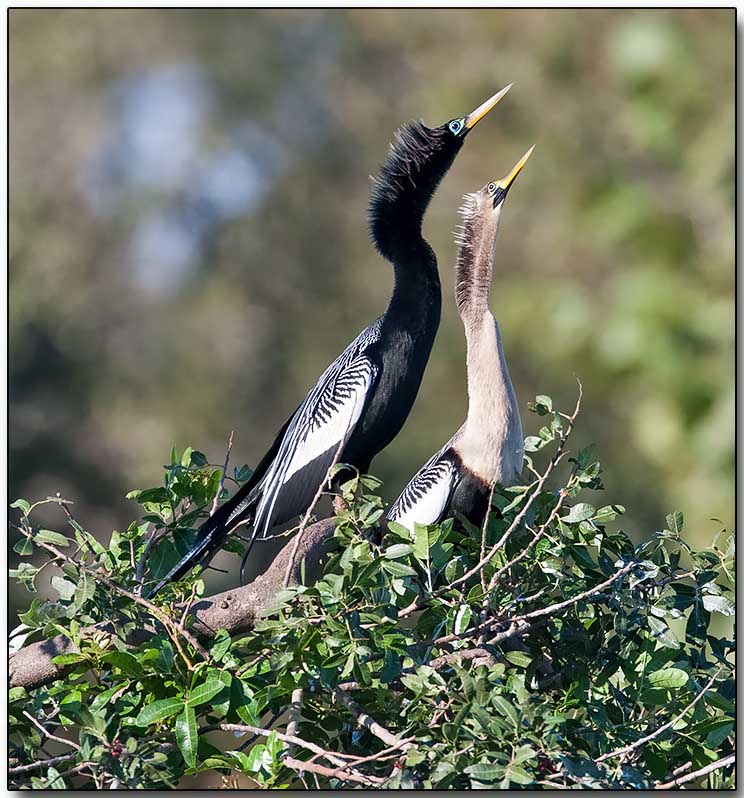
(234, 610)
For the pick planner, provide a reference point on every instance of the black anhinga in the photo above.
(488, 448)
(362, 399)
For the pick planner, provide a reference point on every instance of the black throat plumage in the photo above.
(419, 158)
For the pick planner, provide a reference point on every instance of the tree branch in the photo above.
(643, 740)
(717, 765)
(236, 610)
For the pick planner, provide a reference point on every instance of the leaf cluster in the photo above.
(565, 657)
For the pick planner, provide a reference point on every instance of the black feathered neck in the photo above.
(419, 158)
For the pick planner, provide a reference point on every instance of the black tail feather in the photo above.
(210, 538)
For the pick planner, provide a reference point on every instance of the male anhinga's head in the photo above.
(481, 213)
(419, 158)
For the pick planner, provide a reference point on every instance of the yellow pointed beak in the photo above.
(472, 119)
(505, 182)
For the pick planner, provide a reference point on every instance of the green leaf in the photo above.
(484, 773)
(719, 734)
(16, 694)
(661, 631)
(205, 692)
(65, 589)
(668, 678)
(533, 443)
(24, 547)
(124, 661)
(159, 711)
(198, 459)
(68, 659)
(462, 619)
(518, 775)
(221, 645)
(49, 536)
(609, 513)
(242, 761)
(675, 522)
(242, 701)
(719, 604)
(398, 568)
(186, 735)
(21, 504)
(542, 401)
(518, 658)
(504, 707)
(396, 551)
(162, 558)
(579, 512)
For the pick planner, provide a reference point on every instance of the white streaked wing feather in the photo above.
(426, 496)
(336, 414)
(325, 419)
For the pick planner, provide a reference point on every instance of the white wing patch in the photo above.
(325, 422)
(346, 404)
(426, 496)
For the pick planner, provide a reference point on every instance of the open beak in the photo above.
(512, 176)
(505, 183)
(472, 119)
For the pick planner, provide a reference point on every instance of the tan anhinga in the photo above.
(363, 398)
(488, 447)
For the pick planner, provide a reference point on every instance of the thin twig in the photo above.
(366, 721)
(514, 628)
(331, 756)
(74, 770)
(504, 568)
(217, 495)
(484, 528)
(331, 773)
(668, 725)
(42, 763)
(153, 608)
(568, 602)
(392, 752)
(538, 486)
(519, 622)
(717, 765)
(49, 735)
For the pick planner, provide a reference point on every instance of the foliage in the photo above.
(552, 653)
(188, 239)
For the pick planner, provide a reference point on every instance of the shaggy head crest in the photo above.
(475, 243)
(418, 159)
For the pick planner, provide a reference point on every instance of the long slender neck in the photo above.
(493, 427)
(416, 301)
(418, 159)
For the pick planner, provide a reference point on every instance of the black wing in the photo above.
(319, 429)
(288, 477)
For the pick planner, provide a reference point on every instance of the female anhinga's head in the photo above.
(481, 213)
(419, 158)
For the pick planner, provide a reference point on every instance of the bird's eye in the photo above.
(492, 187)
(455, 126)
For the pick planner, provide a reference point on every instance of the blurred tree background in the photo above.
(188, 241)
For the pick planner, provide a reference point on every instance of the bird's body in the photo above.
(488, 447)
(363, 398)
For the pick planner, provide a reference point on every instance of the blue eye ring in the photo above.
(455, 126)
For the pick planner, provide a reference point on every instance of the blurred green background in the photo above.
(188, 241)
